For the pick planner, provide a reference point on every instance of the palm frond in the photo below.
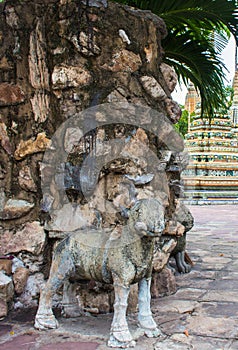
(192, 61)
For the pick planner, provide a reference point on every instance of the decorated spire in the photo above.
(191, 99)
(234, 106)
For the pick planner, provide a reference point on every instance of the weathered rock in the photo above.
(70, 218)
(20, 279)
(123, 61)
(15, 208)
(5, 64)
(11, 17)
(153, 88)
(96, 3)
(169, 75)
(70, 76)
(25, 148)
(162, 254)
(25, 179)
(34, 263)
(4, 139)
(31, 239)
(6, 266)
(140, 180)
(86, 44)
(2, 173)
(16, 263)
(3, 308)
(173, 110)
(39, 73)
(97, 302)
(6, 293)
(116, 96)
(163, 283)
(10, 94)
(31, 291)
(40, 106)
(72, 137)
(174, 228)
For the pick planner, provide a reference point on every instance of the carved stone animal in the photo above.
(184, 217)
(121, 258)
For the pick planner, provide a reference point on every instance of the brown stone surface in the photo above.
(6, 293)
(25, 179)
(4, 139)
(31, 239)
(124, 61)
(20, 277)
(40, 144)
(6, 265)
(3, 307)
(64, 77)
(163, 283)
(10, 94)
(14, 209)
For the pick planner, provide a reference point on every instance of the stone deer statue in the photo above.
(121, 257)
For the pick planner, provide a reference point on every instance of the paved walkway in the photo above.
(202, 315)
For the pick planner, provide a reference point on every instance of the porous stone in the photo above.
(31, 291)
(5, 64)
(153, 88)
(31, 239)
(163, 283)
(6, 293)
(6, 266)
(96, 3)
(10, 94)
(3, 308)
(39, 73)
(41, 106)
(20, 279)
(123, 61)
(169, 75)
(25, 179)
(72, 137)
(11, 17)
(25, 148)
(4, 139)
(70, 76)
(86, 44)
(173, 110)
(70, 218)
(15, 208)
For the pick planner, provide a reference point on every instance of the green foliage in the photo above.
(182, 125)
(197, 33)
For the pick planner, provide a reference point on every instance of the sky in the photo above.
(228, 56)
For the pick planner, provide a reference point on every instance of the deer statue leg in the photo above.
(120, 336)
(72, 305)
(145, 318)
(61, 267)
(182, 266)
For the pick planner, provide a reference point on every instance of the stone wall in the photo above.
(57, 59)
